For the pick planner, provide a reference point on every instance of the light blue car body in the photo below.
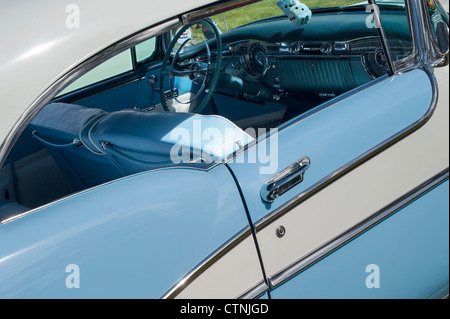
(141, 235)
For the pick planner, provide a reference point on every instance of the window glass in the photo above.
(267, 9)
(118, 64)
(394, 17)
(145, 49)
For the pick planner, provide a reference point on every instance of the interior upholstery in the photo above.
(118, 144)
(61, 123)
(326, 76)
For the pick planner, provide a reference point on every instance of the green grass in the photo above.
(269, 8)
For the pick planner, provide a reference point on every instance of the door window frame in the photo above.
(413, 61)
(138, 70)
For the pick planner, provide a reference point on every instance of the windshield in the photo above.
(269, 8)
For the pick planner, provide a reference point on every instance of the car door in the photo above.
(323, 179)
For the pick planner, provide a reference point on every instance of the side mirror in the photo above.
(442, 33)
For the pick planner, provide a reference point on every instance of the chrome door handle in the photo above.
(285, 180)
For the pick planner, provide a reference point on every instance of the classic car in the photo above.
(224, 149)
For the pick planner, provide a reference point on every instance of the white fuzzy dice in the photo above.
(298, 13)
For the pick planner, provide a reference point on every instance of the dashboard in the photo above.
(325, 67)
(334, 53)
(258, 57)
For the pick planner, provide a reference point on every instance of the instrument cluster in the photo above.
(253, 59)
(256, 60)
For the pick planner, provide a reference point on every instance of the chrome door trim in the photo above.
(307, 193)
(337, 242)
(255, 292)
(187, 279)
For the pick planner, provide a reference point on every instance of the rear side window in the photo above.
(117, 65)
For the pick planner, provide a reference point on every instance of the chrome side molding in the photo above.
(339, 241)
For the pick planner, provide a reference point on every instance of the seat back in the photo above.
(58, 127)
(145, 140)
(94, 147)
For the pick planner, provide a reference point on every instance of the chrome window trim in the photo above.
(416, 60)
(61, 83)
(410, 62)
(384, 41)
(436, 58)
(334, 244)
(214, 9)
(417, 26)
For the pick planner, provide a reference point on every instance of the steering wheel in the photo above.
(203, 74)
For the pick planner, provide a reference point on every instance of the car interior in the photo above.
(241, 82)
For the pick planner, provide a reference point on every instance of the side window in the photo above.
(145, 50)
(119, 64)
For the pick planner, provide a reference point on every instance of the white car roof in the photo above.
(37, 47)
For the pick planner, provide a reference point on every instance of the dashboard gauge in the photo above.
(376, 63)
(257, 62)
(326, 48)
(380, 58)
